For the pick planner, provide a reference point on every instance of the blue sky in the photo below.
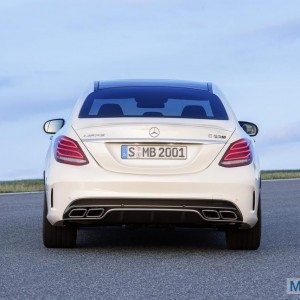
(51, 50)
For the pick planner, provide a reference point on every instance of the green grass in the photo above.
(280, 174)
(15, 186)
(35, 185)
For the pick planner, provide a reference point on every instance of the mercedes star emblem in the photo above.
(154, 132)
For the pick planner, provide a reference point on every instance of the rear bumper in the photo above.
(178, 212)
(172, 199)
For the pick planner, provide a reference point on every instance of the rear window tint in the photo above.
(158, 102)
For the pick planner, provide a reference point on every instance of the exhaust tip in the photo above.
(77, 213)
(94, 212)
(211, 214)
(228, 215)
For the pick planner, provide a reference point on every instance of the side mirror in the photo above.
(249, 128)
(52, 126)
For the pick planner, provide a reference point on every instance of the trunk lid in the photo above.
(201, 139)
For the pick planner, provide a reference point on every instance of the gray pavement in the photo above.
(117, 263)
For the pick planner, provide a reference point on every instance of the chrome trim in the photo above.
(160, 140)
(93, 209)
(228, 211)
(150, 209)
(210, 210)
(76, 209)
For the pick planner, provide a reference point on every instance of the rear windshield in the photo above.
(155, 102)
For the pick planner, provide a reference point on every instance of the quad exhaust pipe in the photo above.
(228, 215)
(94, 212)
(86, 213)
(208, 214)
(77, 213)
(211, 214)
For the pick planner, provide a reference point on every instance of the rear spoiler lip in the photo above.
(156, 141)
(84, 123)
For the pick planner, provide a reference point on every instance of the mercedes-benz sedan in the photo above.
(156, 153)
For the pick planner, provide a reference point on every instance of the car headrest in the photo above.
(152, 114)
(194, 111)
(110, 110)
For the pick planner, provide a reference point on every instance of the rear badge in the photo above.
(94, 135)
(154, 132)
(217, 136)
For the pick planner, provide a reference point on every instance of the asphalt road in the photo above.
(117, 263)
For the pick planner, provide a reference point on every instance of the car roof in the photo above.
(206, 86)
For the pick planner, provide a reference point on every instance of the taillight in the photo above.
(68, 151)
(238, 154)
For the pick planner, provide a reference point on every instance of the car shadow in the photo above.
(150, 238)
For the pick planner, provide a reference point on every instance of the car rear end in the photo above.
(153, 154)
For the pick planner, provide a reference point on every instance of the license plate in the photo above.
(153, 152)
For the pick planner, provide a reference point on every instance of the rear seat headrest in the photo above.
(110, 110)
(194, 111)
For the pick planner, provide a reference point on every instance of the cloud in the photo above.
(279, 32)
(40, 92)
(29, 108)
(286, 134)
(6, 81)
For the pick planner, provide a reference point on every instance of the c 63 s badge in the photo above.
(217, 136)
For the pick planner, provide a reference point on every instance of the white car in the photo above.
(152, 152)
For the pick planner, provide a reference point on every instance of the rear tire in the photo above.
(57, 237)
(245, 239)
